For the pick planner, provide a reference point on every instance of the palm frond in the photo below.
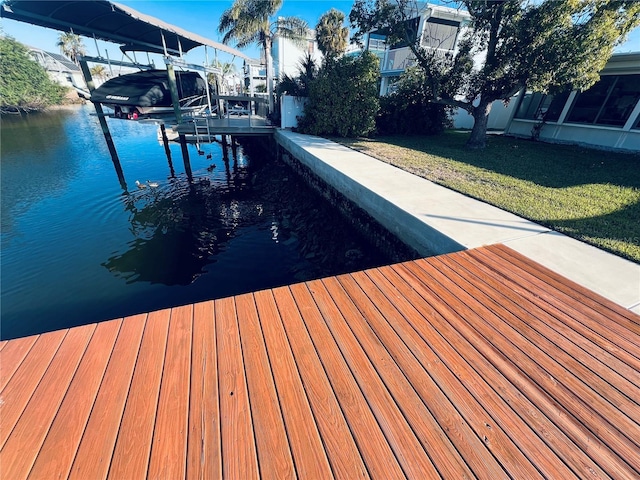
(291, 28)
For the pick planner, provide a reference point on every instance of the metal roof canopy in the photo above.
(111, 22)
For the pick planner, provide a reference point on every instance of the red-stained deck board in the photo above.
(204, 454)
(477, 364)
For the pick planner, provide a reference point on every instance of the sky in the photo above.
(197, 16)
(201, 17)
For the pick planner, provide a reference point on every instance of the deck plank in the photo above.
(339, 444)
(94, 454)
(374, 447)
(502, 431)
(448, 458)
(204, 454)
(538, 365)
(576, 353)
(583, 295)
(485, 449)
(274, 454)
(619, 341)
(304, 439)
(169, 449)
(16, 394)
(59, 448)
(607, 322)
(510, 362)
(133, 445)
(403, 440)
(31, 430)
(239, 456)
(13, 356)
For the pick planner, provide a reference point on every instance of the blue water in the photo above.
(78, 248)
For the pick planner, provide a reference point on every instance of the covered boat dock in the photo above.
(135, 31)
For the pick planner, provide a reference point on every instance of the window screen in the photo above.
(608, 102)
(538, 106)
(440, 33)
(622, 99)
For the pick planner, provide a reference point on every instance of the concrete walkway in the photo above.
(435, 220)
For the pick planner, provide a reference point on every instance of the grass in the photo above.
(587, 194)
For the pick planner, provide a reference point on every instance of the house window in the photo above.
(538, 106)
(609, 102)
(622, 100)
(377, 43)
(440, 33)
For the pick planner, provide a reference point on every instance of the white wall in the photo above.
(498, 118)
(290, 109)
(589, 135)
(287, 56)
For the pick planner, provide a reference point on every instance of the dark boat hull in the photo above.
(147, 93)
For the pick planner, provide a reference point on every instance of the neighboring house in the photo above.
(288, 55)
(255, 76)
(60, 68)
(437, 27)
(607, 115)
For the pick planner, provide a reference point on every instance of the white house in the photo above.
(437, 27)
(255, 76)
(288, 55)
(60, 69)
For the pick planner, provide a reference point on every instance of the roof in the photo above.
(111, 22)
(64, 61)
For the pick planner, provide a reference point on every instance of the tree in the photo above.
(98, 71)
(24, 84)
(343, 99)
(71, 46)
(542, 45)
(227, 69)
(300, 85)
(249, 21)
(331, 34)
(408, 109)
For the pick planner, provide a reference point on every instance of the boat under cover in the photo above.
(147, 93)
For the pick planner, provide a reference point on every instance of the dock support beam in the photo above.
(173, 88)
(167, 150)
(103, 124)
(185, 156)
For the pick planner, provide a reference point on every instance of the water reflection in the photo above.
(179, 227)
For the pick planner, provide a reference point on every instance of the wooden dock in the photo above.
(477, 364)
(242, 125)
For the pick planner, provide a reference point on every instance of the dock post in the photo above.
(103, 124)
(185, 157)
(173, 88)
(167, 150)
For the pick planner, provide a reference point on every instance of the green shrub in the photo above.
(343, 99)
(408, 110)
(24, 84)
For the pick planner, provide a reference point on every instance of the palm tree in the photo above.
(227, 69)
(331, 34)
(98, 71)
(299, 85)
(71, 46)
(249, 21)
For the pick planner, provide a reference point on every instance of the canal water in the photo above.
(78, 248)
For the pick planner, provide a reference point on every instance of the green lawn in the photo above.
(590, 195)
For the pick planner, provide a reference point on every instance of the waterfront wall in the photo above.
(397, 226)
